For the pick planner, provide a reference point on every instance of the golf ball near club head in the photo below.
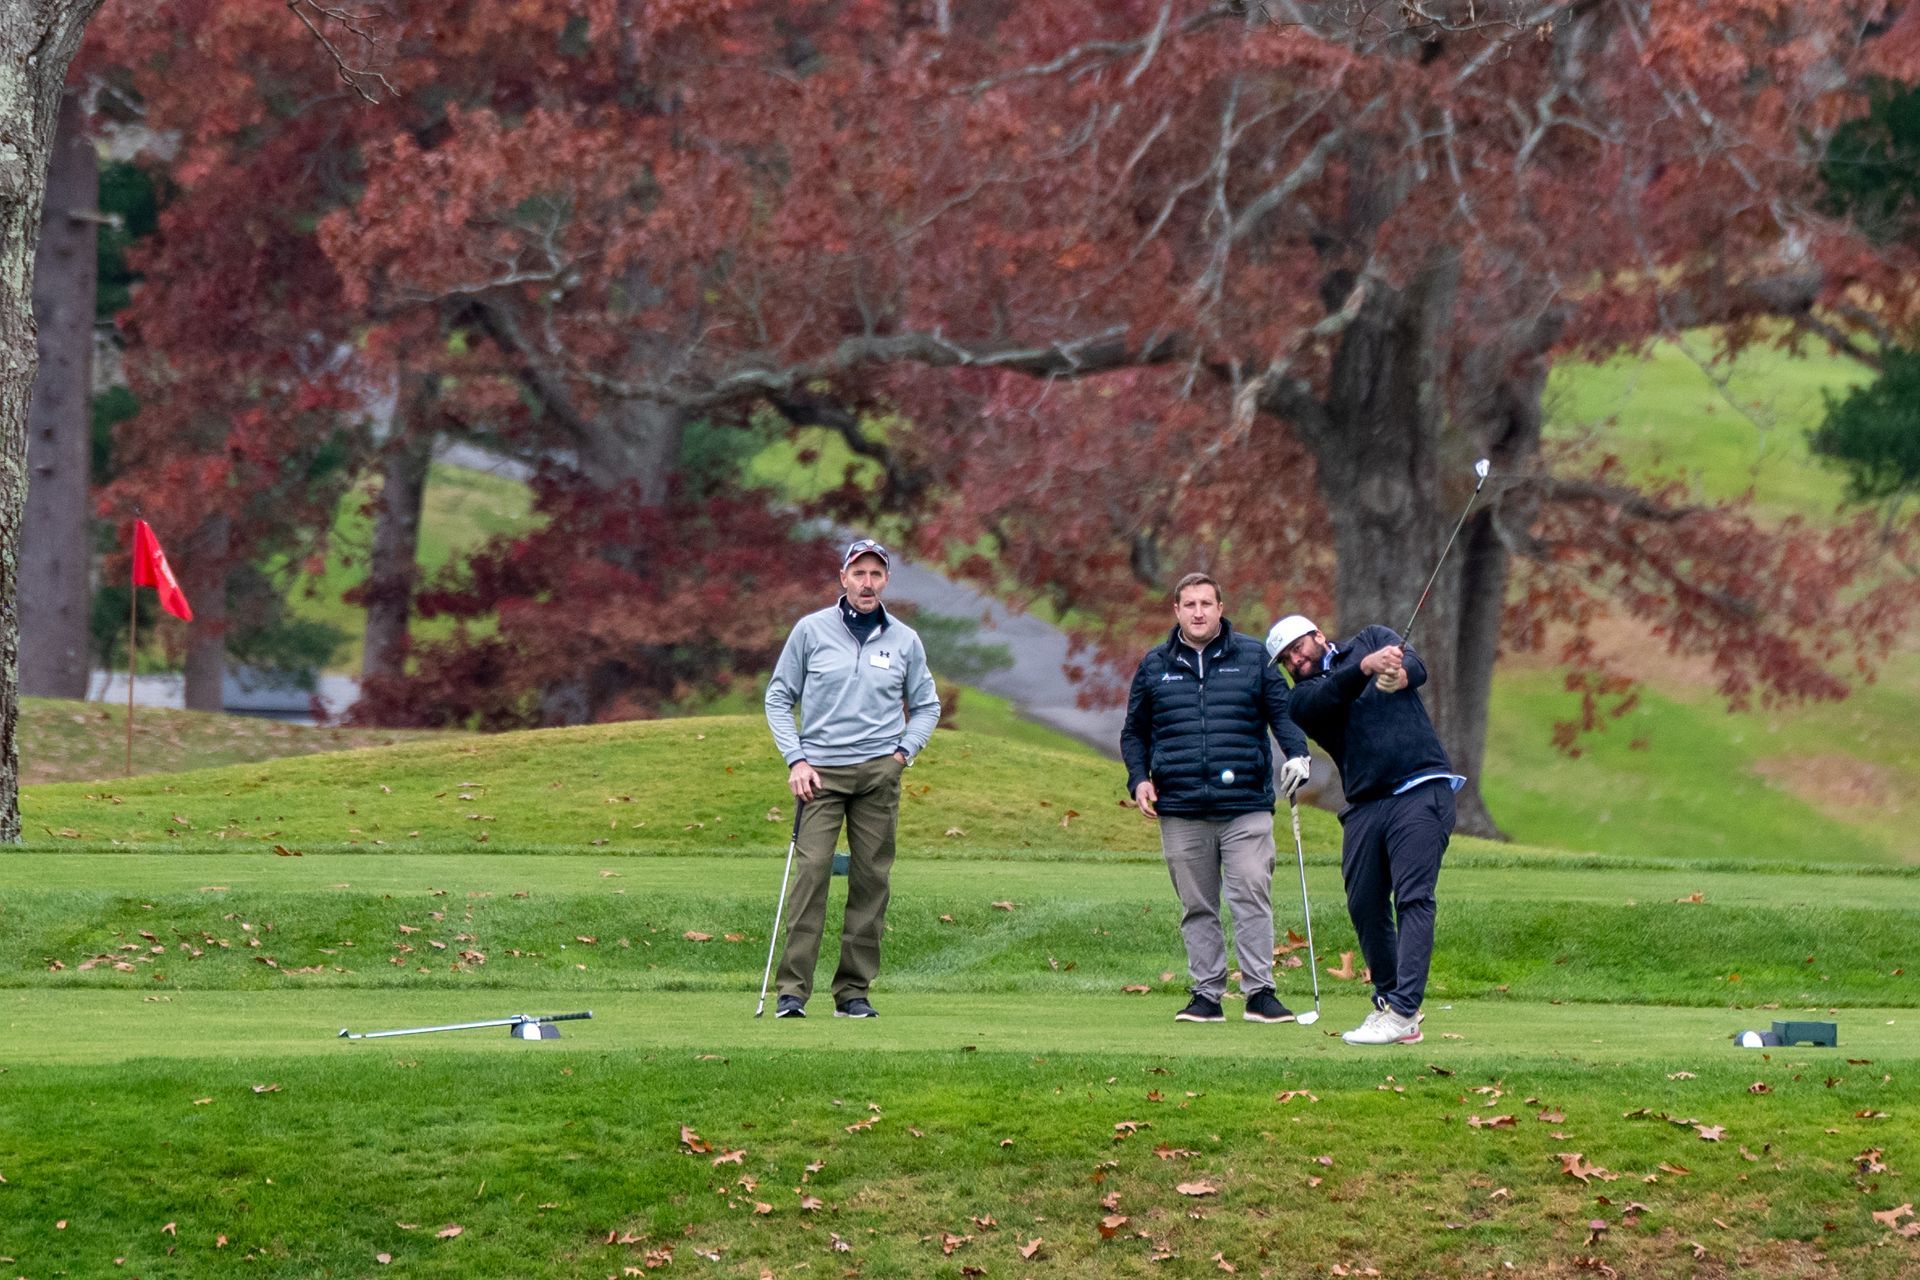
(1226, 777)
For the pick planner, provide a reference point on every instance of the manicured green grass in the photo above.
(985, 923)
(582, 1158)
(64, 741)
(708, 784)
(154, 1076)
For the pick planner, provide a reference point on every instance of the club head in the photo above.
(1481, 468)
(343, 1033)
(1308, 1018)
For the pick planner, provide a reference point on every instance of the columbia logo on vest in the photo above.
(1171, 675)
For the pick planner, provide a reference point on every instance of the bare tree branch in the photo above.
(356, 78)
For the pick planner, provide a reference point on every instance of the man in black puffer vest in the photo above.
(1198, 759)
(1358, 700)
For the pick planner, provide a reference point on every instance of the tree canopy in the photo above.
(1154, 285)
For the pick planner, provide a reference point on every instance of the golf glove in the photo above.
(1294, 774)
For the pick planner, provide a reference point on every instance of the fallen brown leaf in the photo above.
(1574, 1165)
(1031, 1249)
(1891, 1217)
(1200, 1188)
(449, 1231)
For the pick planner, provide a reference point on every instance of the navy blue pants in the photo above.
(1390, 852)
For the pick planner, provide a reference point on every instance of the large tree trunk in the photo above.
(1395, 454)
(203, 576)
(637, 442)
(1395, 469)
(395, 564)
(55, 546)
(37, 42)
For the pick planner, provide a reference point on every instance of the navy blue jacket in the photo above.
(1192, 717)
(1377, 740)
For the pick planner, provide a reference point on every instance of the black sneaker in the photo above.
(791, 1007)
(1263, 1006)
(1200, 1009)
(855, 1008)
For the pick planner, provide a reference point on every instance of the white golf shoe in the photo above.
(1384, 1026)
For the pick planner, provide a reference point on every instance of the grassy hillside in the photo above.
(64, 741)
(1726, 425)
(708, 784)
(175, 1100)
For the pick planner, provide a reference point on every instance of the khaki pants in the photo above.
(866, 797)
(1237, 855)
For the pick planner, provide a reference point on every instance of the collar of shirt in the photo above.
(862, 622)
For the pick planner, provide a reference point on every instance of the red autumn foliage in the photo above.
(1156, 288)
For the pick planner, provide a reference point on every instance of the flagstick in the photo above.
(133, 625)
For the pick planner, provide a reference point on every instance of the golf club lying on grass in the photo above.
(525, 1026)
(1313, 958)
(773, 939)
(1480, 471)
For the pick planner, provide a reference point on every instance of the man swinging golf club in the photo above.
(1198, 759)
(859, 678)
(1358, 700)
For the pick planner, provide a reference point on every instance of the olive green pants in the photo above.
(866, 798)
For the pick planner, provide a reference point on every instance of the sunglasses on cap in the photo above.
(864, 547)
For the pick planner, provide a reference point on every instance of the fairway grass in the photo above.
(812, 1151)
(178, 957)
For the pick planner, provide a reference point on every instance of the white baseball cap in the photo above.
(1286, 631)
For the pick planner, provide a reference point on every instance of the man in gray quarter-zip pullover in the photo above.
(867, 706)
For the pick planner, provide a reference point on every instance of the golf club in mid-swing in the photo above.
(1313, 957)
(1480, 471)
(779, 904)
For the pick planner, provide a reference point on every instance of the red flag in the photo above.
(150, 569)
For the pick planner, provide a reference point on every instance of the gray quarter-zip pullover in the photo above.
(857, 701)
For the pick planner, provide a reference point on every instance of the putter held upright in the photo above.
(773, 939)
(1306, 910)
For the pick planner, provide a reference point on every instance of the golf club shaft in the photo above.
(773, 939)
(1406, 635)
(1306, 908)
(516, 1020)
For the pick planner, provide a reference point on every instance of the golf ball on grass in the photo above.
(1226, 777)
